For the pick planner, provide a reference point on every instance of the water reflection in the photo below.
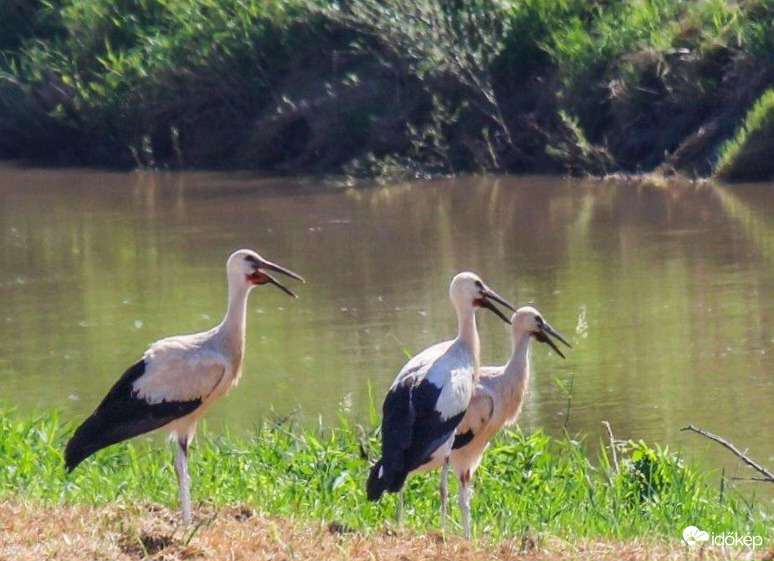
(667, 290)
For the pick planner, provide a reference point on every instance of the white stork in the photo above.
(496, 402)
(177, 378)
(430, 395)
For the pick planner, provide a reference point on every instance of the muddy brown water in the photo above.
(665, 293)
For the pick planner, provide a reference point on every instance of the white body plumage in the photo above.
(178, 378)
(430, 395)
(497, 399)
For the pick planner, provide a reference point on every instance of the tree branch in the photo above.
(750, 479)
(768, 476)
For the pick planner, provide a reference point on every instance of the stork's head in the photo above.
(248, 268)
(468, 292)
(528, 320)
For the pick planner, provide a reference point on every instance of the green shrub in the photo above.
(186, 81)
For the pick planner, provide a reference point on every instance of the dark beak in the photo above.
(486, 302)
(543, 337)
(262, 277)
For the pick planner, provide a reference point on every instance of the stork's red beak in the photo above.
(260, 276)
(487, 295)
(543, 337)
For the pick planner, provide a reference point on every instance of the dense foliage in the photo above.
(384, 87)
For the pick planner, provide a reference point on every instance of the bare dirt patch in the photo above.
(146, 531)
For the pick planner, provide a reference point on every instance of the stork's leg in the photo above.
(400, 507)
(444, 491)
(466, 491)
(183, 479)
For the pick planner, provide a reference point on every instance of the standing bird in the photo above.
(430, 395)
(496, 402)
(177, 378)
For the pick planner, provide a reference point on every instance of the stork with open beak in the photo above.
(430, 396)
(178, 378)
(497, 400)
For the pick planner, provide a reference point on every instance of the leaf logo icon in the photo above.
(692, 534)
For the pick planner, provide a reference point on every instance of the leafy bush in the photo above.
(532, 85)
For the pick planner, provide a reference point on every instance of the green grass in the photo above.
(526, 483)
(751, 146)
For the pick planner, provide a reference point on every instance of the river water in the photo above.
(665, 293)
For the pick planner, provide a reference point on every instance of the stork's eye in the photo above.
(479, 285)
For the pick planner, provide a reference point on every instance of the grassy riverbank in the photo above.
(530, 488)
(397, 88)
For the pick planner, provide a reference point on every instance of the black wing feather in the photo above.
(122, 415)
(398, 415)
(430, 430)
(462, 439)
(412, 430)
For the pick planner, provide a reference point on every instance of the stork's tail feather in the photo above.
(375, 486)
(88, 438)
(381, 480)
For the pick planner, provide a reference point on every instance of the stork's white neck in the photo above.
(232, 328)
(517, 370)
(468, 333)
(521, 347)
